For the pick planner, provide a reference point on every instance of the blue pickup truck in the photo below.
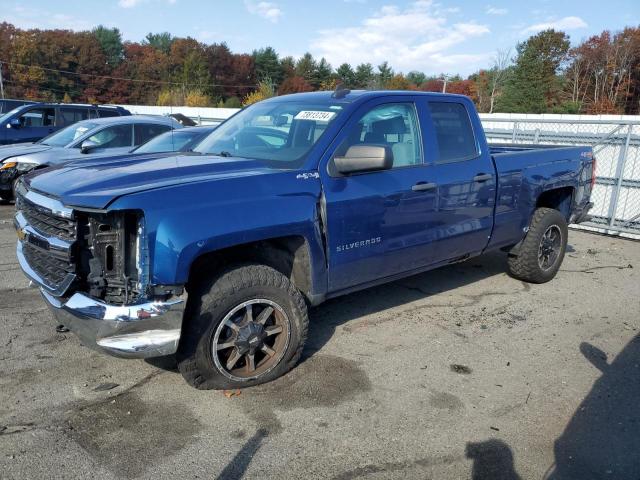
(216, 254)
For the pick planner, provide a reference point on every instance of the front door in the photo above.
(378, 223)
(35, 123)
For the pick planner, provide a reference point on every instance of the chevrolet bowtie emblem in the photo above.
(21, 234)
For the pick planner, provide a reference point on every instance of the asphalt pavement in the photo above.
(462, 372)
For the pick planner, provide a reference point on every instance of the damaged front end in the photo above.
(93, 269)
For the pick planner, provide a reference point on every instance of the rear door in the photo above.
(466, 180)
(378, 223)
(71, 115)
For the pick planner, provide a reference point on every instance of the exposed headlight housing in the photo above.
(113, 256)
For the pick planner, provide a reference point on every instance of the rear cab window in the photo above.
(454, 132)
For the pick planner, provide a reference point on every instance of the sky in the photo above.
(445, 36)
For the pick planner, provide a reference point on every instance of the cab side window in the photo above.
(113, 137)
(146, 131)
(73, 115)
(394, 125)
(38, 117)
(454, 133)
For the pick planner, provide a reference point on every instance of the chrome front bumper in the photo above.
(145, 330)
(133, 331)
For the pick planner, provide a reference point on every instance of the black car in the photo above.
(32, 122)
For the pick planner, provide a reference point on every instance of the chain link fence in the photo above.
(616, 145)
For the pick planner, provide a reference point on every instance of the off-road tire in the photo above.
(213, 300)
(524, 265)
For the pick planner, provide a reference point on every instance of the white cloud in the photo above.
(566, 23)
(129, 3)
(28, 17)
(417, 37)
(267, 10)
(496, 11)
(135, 3)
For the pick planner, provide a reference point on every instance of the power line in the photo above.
(1, 84)
(137, 80)
(73, 91)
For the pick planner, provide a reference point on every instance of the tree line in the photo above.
(543, 74)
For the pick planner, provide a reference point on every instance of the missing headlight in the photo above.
(112, 256)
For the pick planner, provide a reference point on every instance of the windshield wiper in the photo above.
(224, 153)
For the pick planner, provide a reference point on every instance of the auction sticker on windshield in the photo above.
(318, 116)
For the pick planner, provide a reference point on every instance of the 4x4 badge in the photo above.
(307, 175)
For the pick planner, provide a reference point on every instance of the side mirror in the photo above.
(364, 158)
(87, 146)
(14, 123)
(280, 120)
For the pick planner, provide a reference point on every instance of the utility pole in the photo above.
(444, 83)
(1, 84)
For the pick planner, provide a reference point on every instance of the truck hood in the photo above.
(95, 184)
(18, 149)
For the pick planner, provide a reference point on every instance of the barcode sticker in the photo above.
(318, 116)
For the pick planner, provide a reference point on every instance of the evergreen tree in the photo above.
(533, 83)
(385, 74)
(111, 42)
(417, 78)
(364, 77)
(267, 65)
(347, 75)
(160, 41)
(322, 74)
(306, 67)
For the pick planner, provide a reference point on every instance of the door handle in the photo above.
(423, 186)
(482, 177)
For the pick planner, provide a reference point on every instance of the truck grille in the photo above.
(47, 241)
(53, 269)
(45, 222)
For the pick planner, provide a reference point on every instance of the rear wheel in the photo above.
(245, 328)
(542, 250)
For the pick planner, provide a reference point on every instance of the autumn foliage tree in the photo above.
(598, 75)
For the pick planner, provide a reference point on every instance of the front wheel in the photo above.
(542, 250)
(246, 327)
(7, 196)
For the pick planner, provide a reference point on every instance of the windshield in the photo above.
(281, 132)
(67, 134)
(9, 114)
(172, 141)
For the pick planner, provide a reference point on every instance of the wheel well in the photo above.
(288, 255)
(559, 199)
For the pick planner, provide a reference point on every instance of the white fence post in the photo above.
(615, 194)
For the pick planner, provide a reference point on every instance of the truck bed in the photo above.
(500, 148)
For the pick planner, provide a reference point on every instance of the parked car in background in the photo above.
(6, 104)
(215, 255)
(183, 119)
(97, 138)
(183, 140)
(32, 122)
